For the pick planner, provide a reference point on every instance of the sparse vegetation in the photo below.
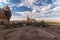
(20, 24)
(28, 24)
(41, 24)
(54, 23)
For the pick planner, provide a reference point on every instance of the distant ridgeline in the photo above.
(5, 14)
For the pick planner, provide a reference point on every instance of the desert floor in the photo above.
(30, 33)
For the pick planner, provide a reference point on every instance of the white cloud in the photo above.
(57, 9)
(4, 1)
(24, 14)
(14, 18)
(35, 8)
(40, 11)
(45, 8)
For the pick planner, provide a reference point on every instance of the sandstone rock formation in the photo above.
(30, 20)
(2, 16)
(5, 14)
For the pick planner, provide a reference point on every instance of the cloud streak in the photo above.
(40, 8)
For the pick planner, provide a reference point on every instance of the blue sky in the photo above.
(36, 9)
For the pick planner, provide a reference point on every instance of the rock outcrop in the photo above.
(30, 33)
(5, 14)
(30, 20)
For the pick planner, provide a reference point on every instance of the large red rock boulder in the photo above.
(7, 12)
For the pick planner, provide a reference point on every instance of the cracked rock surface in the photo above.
(30, 33)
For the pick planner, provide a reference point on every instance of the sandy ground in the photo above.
(30, 33)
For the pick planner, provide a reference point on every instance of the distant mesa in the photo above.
(5, 14)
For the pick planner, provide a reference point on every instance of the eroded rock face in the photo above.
(2, 16)
(5, 14)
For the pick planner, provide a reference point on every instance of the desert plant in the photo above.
(1, 23)
(37, 24)
(19, 24)
(41, 24)
(7, 26)
(28, 24)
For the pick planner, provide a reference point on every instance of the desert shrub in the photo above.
(1, 23)
(19, 24)
(41, 24)
(37, 24)
(28, 24)
(8, 26)
(13, 25)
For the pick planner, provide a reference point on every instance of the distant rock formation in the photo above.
(5, 14)
(30, 20)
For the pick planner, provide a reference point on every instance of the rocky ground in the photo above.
(30, 33)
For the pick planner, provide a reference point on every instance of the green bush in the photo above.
(41, 24)
(28, 24)
(8, 26)
(19, 24)
(37, 24)
(12, 25)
